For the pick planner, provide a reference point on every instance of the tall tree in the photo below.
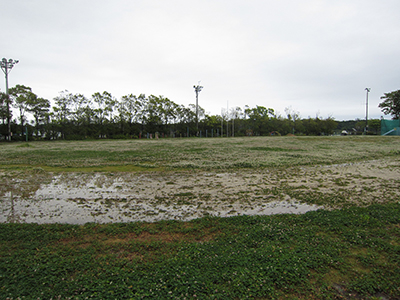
(63, 110)
(154, 114)
(391, 104)
(80, 109)
(39, 108)
(3, 107)
(3, 114)
(22, 96)
(133, 110)
(106, 104)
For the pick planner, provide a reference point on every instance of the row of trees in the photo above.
(74, 116)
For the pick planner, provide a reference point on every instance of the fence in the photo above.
(390, 127)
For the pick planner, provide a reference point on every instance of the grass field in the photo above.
(204, 154)
(349, 250)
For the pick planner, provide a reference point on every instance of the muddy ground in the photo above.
(77, 198)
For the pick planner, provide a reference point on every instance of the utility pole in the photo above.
(366, 111)
(6, 66)
(197, 89)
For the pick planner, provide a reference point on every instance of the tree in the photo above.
(104, 112)
(63, 110)
(292, 116)
(259, 118)
(375, 125)
(3, 114)
(391, 104)
(39, 108)
(22, 97)
(133, 110)
(105, 106)
(81, 110)
(212, 123)
(3, 107)
(328, 126)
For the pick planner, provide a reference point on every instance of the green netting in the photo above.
(390, 127)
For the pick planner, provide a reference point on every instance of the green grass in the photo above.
(348, 253)
(318, 255)
(202, 154)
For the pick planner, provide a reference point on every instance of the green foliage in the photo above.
(318, 255)
(391, 104)
(76, 117)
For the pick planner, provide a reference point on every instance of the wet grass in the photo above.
(352, 253)
(349, 253)
(196, 153)
(84, 169)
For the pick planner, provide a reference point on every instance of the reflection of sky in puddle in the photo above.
(100, 198)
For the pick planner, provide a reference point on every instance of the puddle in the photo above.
(78, 198)
(105, 198)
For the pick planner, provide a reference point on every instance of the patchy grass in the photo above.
(196, 153)
(349, 253)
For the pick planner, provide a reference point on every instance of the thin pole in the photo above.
(366, 111)
(197, 109)
(8, 104)
(6, 66)
(197, 90)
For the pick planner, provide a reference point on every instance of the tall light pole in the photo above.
(6, 66)
(366, 111)
(197, 89)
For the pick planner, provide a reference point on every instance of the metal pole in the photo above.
(6, 66)
(8, 104)
(197, 110)
(197, 89)
(366, 111)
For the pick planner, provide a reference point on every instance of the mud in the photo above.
(124, 197)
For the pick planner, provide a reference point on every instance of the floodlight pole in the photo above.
(366, 111)
(6, 66)
(197, 89)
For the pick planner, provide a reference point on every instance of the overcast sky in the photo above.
(314, 56)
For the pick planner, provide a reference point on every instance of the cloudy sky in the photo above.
(314, 56)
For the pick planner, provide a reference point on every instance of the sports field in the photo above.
(309, 218)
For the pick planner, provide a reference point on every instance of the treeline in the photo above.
(74, 116)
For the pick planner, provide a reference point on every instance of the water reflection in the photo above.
(97, 197)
